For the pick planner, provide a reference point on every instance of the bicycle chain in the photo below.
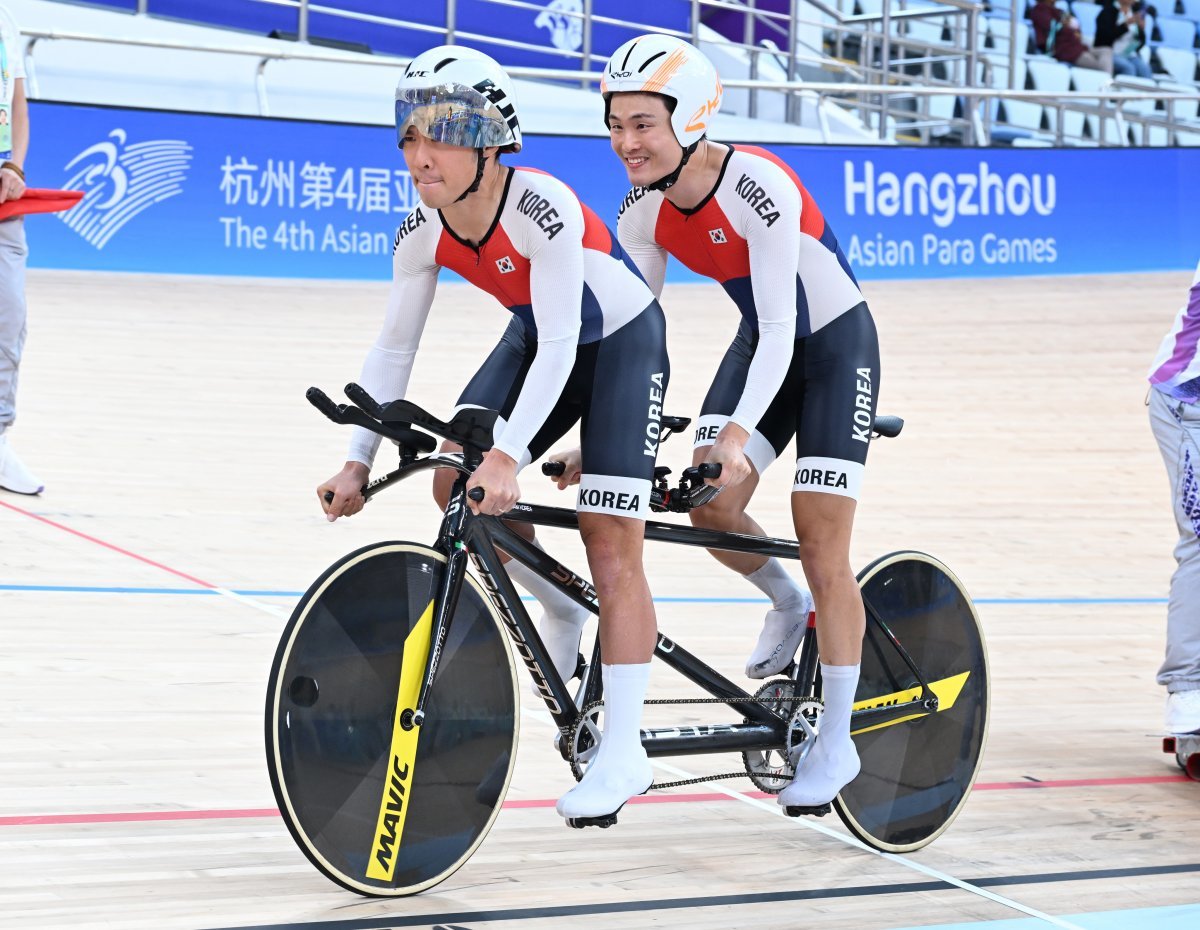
(661, 785)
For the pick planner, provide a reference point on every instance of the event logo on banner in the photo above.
(566, 31)
(192, 193)
(120, 181)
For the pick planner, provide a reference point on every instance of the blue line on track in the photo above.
(1177, 917)
(103, 589)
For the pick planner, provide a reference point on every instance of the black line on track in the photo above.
(663, 904)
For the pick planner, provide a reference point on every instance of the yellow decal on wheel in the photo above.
(396, 790)
(946, 689)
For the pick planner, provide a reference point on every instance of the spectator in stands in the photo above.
(14, 143)
(1057, 33)
(1121, 26)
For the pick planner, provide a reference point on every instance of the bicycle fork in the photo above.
(450, 541)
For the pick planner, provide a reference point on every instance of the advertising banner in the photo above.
(203, 194)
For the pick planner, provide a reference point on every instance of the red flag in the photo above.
(36, 200)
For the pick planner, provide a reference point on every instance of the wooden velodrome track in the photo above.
(142, 596)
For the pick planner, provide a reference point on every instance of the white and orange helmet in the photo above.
(659, 64)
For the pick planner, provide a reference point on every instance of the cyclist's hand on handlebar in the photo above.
(497, 475)
(571, 461)
(341, 495)
(729, 452)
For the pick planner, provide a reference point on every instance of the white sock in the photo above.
(783, 627)
(621, 769)
(562, 619)
(775, 582)
(832, 763)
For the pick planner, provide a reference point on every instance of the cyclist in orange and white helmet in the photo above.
(804, 361)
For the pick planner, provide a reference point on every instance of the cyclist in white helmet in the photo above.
(586, 340)
(804, 362)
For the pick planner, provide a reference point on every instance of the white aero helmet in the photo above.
(459, 96)
(659, 64)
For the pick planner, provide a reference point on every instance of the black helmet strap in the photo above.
(669, 180)
(478, 176)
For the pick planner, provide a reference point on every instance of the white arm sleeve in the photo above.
(774, 259)
(635, 232)
(556, 292)
(389, 363)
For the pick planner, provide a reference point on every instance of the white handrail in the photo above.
(824, 90)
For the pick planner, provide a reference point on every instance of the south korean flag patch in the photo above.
(717, 236)
(505, 265)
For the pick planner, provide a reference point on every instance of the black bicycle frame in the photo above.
(464, 534)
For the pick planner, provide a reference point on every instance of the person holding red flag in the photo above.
(14, 143)
(16, 200)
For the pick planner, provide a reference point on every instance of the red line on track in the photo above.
(25, 820)
(134, 817)
(108, 545)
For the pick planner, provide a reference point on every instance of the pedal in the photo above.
(603, 822)
(808, 811)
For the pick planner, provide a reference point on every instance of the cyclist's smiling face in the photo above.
(440, 172)
(639, 128)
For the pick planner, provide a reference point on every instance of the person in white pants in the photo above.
(14, 143)
(1175, 419)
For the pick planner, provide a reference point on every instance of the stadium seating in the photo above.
(1153, 135)
(1096, 128)
(1055, 77)
(1188, 9)
(1086, 13)
(1174, 52)
(1176, 33)
(1179, 63)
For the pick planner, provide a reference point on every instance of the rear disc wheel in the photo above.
(917, 771)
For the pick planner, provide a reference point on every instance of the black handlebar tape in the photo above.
(889, 426)
(322, 402)
(363, 399)
(328, 495)
(476, 494)
(709, 469)
(553, 469)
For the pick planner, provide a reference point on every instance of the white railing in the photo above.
(976, 122)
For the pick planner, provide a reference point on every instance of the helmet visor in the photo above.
(451, 113)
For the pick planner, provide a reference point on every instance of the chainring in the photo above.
(583, 739)
(769, 769)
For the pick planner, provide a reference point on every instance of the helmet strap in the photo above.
(478, 176)
(669, 180)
